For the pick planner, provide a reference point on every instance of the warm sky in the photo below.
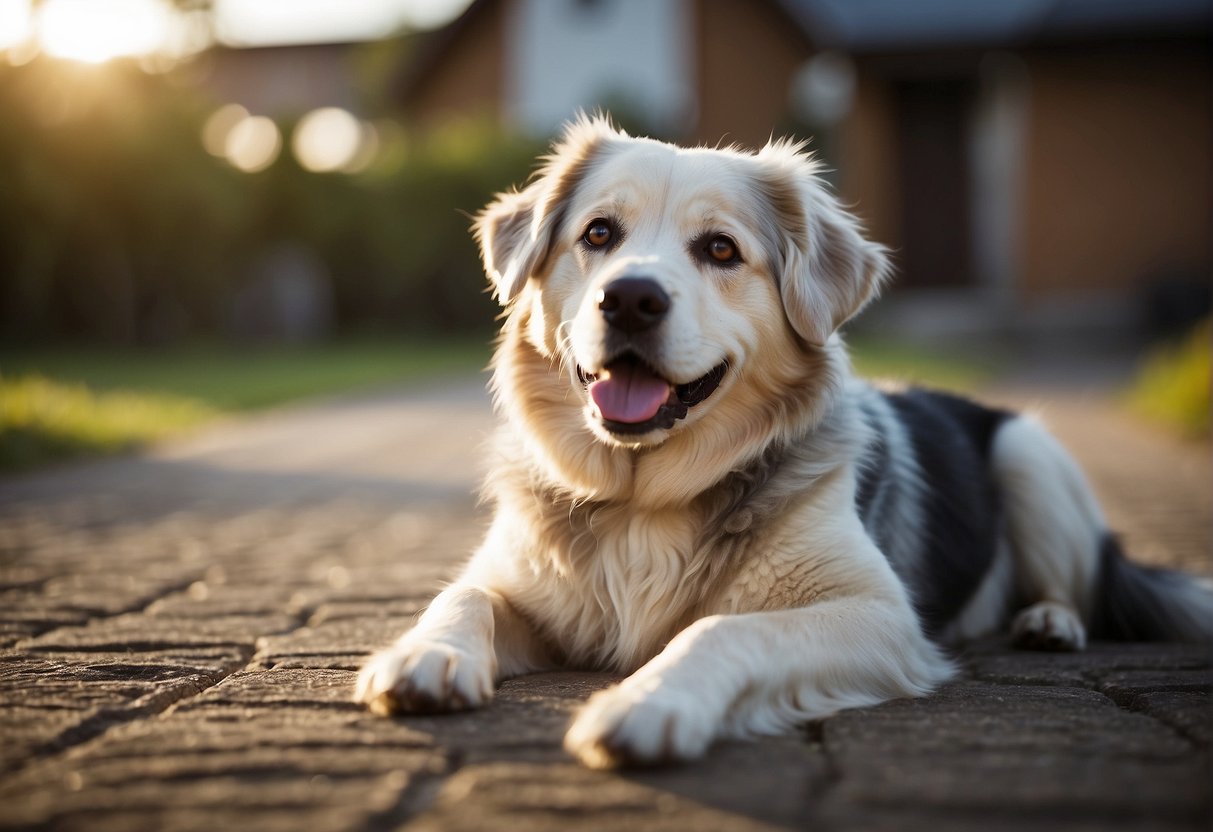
(95, 30)
(276, 21)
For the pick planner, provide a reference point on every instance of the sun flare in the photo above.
(95, 31)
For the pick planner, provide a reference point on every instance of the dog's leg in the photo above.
(758, 673)
(1056, 530)
(468, 639)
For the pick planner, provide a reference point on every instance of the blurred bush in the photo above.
(116, 225)
(1174, 384)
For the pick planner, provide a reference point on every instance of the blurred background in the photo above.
(213, 205)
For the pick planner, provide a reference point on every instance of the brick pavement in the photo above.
(179, 632)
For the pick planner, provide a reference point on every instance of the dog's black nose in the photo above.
(633, 304)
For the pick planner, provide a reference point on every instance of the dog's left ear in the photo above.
(516, 231)
(829, 269)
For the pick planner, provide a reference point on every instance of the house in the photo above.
(281, 81)
(1033, 163)
(531, 63)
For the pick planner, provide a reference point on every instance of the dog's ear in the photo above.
(517, 230)
(510, 244)
(828, 269)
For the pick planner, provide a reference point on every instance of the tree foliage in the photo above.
(117, 225)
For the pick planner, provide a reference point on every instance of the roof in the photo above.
(875, 25)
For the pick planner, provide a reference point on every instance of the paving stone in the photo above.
(226, 727)
(397, 608)
(538, 797)
(779, 780)
(1191, 714)
(206, 599)
(342, 644)
(75, 711)
(1036, 782)
(276, 687)
(838, 816)
(247, 794)
(78, 686)
(527, 717)
(1042, 750)
(1125, 686)
(28, 730)
(141, 633)
(994, 661)
(999, 718)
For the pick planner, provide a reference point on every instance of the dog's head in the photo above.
(653, 278)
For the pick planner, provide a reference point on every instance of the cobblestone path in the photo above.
(179, 633)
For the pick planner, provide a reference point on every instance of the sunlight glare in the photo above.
(16, 22)
(327, 140)
(262, 22)
(219, 126)
(95, 31)
(253, 144)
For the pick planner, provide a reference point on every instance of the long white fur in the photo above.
(742, 596)
(1055, 526)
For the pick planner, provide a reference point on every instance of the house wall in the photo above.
(697, 70)
(1118, 169)
(566, 55)
(1114, 187)
(747, 56)
(282, 81)
(868, 176)
(468, 76)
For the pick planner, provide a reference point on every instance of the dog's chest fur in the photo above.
(608, 584)
(626, 581)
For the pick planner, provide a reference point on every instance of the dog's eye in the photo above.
(722, 249)
(598, 233)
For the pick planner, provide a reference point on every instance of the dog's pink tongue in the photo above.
(629, 393)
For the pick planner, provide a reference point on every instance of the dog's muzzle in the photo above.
(633, 398)
(630, 395)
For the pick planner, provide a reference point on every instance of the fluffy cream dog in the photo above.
(691, 488)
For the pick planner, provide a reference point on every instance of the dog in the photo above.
(691, 487)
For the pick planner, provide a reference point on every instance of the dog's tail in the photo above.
(1143, 603)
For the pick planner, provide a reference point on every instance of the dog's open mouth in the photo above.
(632, 397)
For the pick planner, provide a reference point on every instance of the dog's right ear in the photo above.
(517, 230)
(509, 246)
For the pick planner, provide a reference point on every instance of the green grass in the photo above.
(1173, 385)
(62, 403)
(879, 359)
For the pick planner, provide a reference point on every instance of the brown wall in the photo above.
(746, 56)
(282, 81)
(868, 177)
(1117, 182)
(1118, 161)
(468, 74)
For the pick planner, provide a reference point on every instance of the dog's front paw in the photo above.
(423, 676)
(627, 726)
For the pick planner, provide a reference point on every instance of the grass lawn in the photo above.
(61, 403)
(878, 359)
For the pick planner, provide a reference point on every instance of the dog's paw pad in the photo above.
(620, 728)
(1048, 625)
(424, 677)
